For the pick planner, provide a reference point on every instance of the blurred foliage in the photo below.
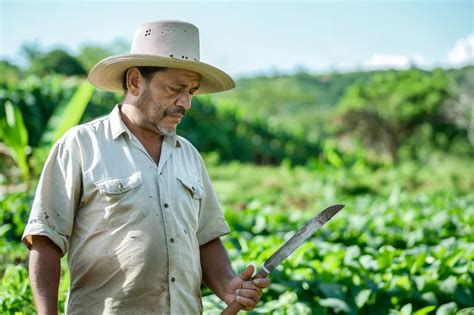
(56, 61)
(387, 249)
(372, 258)
(252, 140)
(15, 136)
(300, 103)
(403, 244)
(9, 72)
(90, 54)
(28, 139)
(459, 108)
(54, 100)
(37, 98)
(60, 61)
(399, 107)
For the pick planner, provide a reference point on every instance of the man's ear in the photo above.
(134, 81)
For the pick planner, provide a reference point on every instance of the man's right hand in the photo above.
(45, 271)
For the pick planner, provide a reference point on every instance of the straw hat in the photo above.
(172, 44)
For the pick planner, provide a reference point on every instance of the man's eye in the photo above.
(175, 90)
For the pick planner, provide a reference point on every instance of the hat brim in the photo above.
(108, 73)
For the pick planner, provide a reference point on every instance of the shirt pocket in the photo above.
(189, 199)
(122, 198)
(193, 185)
(119, 185)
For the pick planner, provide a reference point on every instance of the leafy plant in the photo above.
(15, 136)
(25, 138)
(399, 107)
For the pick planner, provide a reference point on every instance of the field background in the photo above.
(396, 147)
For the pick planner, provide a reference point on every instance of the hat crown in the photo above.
(173, 39)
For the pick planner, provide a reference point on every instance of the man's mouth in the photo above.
(177, 112)
(177, 116)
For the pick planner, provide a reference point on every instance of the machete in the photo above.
(288, 248)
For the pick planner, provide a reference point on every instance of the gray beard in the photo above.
(167, 131)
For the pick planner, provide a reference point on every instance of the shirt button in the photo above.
(172, 240)
(166, 205)
(173, 279)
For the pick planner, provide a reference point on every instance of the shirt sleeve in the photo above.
(56, 199)
(212, 222)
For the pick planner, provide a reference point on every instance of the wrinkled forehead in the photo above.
(180, 78)
(182, 75)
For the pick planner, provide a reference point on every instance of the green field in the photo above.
(388, 251)
(395, 147)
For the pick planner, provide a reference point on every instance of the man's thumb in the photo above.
(247, 273)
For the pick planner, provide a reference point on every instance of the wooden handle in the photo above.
(234, 307)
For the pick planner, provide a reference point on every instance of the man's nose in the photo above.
(184, 100)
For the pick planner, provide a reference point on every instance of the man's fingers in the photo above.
(262, 282)
(246, 302)
(251, 294)
(250, 291)
(247, 273)
(249, 285)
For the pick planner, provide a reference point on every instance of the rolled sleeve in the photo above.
(56, 199)
(212, 222)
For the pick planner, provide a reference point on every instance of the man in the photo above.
(129, 200)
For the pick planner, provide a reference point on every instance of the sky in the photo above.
(261, 37)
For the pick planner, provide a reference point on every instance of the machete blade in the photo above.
(302, 235)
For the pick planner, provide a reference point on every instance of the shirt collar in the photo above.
(118, 127)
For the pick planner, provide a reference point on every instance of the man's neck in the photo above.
(149, 139)
(131, 118)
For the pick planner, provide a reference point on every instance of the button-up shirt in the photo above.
(131, 228)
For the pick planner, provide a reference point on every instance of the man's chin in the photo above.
(167, 131)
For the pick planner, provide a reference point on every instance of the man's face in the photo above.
(166, 98)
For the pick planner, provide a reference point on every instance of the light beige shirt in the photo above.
(131, 228)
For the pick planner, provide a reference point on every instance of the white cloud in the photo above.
(378, 61)
(462, 52)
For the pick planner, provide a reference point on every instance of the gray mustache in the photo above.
(177, 110)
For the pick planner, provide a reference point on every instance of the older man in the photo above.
(131, 202)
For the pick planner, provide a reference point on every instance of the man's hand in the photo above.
(247, 292)
(219, 277)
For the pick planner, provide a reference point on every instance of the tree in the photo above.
(459, 108)
(393, 108)
(56, 61)
(31, 50)
(90, 54)
(9, 72)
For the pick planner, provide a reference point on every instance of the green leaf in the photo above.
(362, 297)
(335, 304)
(17, 133)
(447, 309)
(425, 310)
(69, 115)
(15, 136)
(332, 290)
(448, 285)
(406, 309)
(429, 297)
(463, 295)
(466, 311)
(4, 229)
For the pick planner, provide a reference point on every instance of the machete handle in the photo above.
(234, 307)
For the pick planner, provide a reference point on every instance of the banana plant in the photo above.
(14, 134)
(67, 116)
